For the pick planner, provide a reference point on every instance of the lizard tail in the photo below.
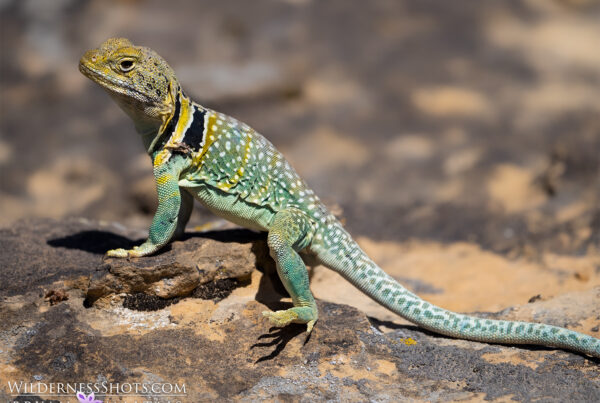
(346, 258)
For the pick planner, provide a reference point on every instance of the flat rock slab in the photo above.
(182, 266)
(41, 253)
(225, 350)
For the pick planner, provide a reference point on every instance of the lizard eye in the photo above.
(126, 65)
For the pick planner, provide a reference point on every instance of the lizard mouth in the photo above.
(112, 84)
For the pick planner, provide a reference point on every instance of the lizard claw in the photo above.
(309, 326)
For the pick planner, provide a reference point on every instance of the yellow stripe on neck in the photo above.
(184, 121)
(210, 136)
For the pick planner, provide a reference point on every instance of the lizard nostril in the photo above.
(93, 59)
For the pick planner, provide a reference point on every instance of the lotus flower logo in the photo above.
(87, 399)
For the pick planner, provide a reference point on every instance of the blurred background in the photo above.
(462, 121)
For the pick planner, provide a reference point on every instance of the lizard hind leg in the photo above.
(290, 232)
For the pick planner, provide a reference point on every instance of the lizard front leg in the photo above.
(173, 211)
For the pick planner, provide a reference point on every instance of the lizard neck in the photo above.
(155, 136)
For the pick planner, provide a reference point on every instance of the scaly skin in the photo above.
(239, 175)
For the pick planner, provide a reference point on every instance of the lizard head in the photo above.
(137, 78)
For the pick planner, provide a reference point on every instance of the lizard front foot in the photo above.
(118, 253)
(137, 251)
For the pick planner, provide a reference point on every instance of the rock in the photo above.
(222, 348)
(182, 268)
(40, 252)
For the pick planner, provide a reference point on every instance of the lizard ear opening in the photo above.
(173, 89)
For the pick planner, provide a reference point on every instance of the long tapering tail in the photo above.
(346, 258)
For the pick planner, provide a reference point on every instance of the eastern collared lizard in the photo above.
(239, 175)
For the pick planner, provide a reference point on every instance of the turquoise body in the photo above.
(239, 175)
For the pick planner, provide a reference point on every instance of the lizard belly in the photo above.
(232, 207)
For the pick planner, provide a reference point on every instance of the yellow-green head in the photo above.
(137, 78)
